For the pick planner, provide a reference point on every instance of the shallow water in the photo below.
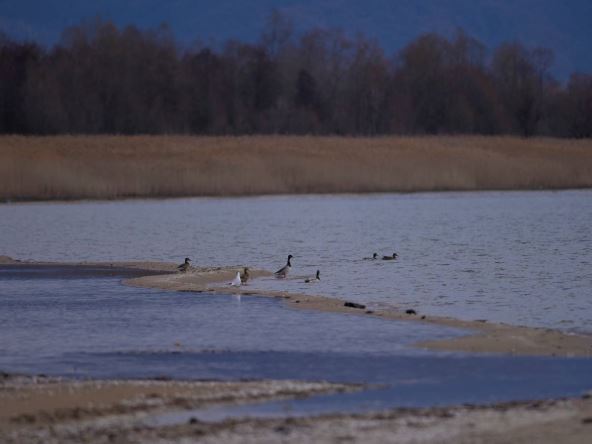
(98, 328)
(80, 326)
(517, 257)
(407, 381)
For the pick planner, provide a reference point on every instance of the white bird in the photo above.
(283, 272)
(236, 282)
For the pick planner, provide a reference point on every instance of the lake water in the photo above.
(516, 257)
(60, 319)
(95, 327)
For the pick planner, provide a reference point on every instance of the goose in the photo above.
(314, 279)
(184, 266)
(374, 257)
(236, 282)
(283, 272)
(390, 258)
(245, 276)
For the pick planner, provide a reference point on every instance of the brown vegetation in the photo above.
(108, 167)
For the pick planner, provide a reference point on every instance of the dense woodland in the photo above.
(102, 79)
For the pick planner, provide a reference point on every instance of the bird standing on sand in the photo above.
(283, 272)
(390, 258)
(236, 282)
(184, 266)
(245, 276)
(314, 279)
(374, 257)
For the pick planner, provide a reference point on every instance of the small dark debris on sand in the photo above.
(354, 305)
(411, 312)
(369, 312)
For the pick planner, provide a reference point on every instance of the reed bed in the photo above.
(111, 167)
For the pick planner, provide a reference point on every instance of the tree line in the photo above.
(103, 79)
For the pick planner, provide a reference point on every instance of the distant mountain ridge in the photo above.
(563, 26)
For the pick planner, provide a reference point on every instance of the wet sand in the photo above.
(40, 409)
(567, 421)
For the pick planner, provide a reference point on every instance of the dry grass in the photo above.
(105, 167)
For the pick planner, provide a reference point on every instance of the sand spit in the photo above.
(486, 337)
(50, 410)
(482, 337)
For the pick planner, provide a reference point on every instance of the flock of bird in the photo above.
(242, 278)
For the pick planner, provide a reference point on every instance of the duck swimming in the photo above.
(184, 266)
(283, 272)
(314, 279)
(374, 257)
(390, 258)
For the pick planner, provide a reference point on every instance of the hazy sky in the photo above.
(562, 25)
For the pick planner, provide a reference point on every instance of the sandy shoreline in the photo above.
(485, 337)
(53, 410)
(482, 337)
(40, 409)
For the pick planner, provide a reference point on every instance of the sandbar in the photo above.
(482, 336)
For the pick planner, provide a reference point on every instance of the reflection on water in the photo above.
(517, 257)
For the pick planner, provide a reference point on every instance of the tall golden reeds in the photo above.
(109, 167)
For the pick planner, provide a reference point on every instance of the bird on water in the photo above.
(374, 257)
(184, 266)
(390, 258)
(283, 272)
(314, 279)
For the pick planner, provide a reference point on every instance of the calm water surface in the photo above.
(59, 319)
(516, 257)
(95, 327)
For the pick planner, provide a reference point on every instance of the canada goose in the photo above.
(314, 279)
(245, 276)
(390, 258)
(374, 257)
(283, 272)
(236, 282)
(184, 266)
